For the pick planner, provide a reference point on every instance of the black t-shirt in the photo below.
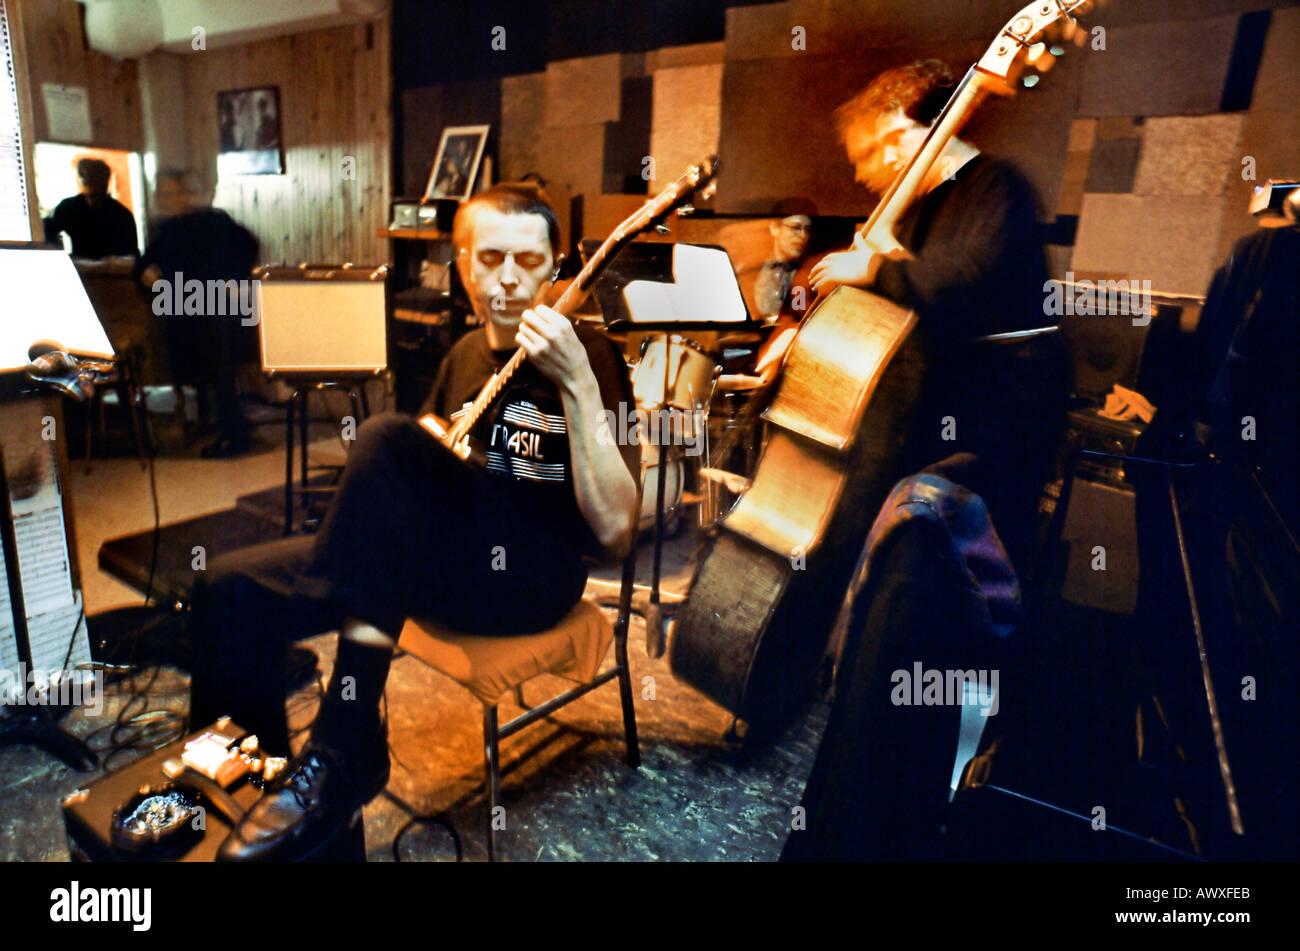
(97, 230)
(525, 432)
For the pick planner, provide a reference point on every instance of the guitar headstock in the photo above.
(699, 177)
(1036, 30)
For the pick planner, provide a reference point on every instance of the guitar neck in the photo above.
(577, 292)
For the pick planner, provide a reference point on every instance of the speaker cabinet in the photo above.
(322, 321)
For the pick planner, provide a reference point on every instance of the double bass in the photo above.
(753, 629)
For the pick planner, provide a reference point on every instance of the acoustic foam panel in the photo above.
(686, 122)
(582, 91)
(1169, 240)
(1158, 69)
(627, 141)
(1188, 155)
(1083, 132)
(1112, 165)
(697, 54)
(846, 28)
(523, 105)
(574, 156)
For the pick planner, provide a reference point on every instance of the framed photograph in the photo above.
(456, 166)
(249, 120)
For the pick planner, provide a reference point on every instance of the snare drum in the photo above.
(691, 376)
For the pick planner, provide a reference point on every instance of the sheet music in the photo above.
(704, 290)
(53, 607)
(706, 284)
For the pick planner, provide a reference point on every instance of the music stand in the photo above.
(667, 288)
(42, 282)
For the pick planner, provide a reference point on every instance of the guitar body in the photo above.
(467, 449)
(755, 623)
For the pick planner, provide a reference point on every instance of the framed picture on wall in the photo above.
(456, 166)
(249, 120)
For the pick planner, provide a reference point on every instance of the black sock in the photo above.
(349, 713)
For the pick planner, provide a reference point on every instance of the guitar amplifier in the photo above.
(322, 320)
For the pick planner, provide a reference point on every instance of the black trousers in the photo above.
(412, 531)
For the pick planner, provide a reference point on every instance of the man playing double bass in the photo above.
(973, 267)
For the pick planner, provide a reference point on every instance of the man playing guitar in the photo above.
(415, 531)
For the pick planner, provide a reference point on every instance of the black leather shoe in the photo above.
(303, 811)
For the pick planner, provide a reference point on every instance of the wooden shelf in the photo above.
(414, 234)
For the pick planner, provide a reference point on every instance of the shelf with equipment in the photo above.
(427, 308)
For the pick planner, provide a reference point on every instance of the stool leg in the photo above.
(288, 463)
(127, 394)
(625, 694)
(90, 418)
(302, 440)
(491, 755)
(358, 413)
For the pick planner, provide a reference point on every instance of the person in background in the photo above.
(99, 225)
(790, 237)
(199, 242)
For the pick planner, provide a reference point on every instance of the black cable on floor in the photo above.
(438, 820)
(157, 520)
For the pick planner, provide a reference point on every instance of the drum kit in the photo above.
(674, 383)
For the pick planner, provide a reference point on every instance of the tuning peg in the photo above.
(662, 228)
(686, 209)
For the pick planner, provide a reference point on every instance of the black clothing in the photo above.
(932, 588)
(524, 434)
(98, 229)
(979, 269)
(206, 245)
(1238, 542)
(1254, 301)
(412, 531)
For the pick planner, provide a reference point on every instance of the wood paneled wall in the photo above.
(335, 105)
(57, 53)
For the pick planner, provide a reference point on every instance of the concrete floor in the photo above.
(567, 791)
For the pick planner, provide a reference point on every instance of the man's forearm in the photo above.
(605, 490)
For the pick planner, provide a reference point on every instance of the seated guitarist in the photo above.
(414, 531)
(972, 266)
